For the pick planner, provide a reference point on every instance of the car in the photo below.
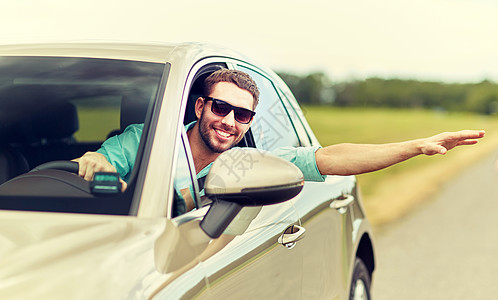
(259, 232)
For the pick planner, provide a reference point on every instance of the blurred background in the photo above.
(435, 40)
(364, 71)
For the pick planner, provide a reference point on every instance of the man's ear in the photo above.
(199, 106)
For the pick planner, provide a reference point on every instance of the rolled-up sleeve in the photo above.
(304, 159)
(121, 150)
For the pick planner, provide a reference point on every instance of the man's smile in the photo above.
(222, 133)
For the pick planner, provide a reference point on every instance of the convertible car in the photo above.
(259, 232)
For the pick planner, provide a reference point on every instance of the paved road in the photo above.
(447, 249)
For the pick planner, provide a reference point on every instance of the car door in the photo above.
(178, 250)
(326, 210)
(247, 261)
(322, 207)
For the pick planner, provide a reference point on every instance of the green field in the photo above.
(354, 125)
(96, 124)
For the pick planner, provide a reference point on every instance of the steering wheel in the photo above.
(51, 179)
(63, 165)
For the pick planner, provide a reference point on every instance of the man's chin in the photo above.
(220, 148)
(221, 145)
(218, 145)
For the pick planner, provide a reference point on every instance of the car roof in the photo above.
(149, 52)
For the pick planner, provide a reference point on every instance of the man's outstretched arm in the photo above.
(353, 159)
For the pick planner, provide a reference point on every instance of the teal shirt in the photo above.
(121, 151)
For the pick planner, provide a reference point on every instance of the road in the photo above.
(447, 249)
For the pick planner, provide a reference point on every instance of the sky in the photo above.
(437, 40)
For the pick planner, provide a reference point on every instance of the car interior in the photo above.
(41, 125)
(47, 134)
(45, 137)
(56, 109)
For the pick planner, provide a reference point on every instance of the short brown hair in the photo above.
(239, 78)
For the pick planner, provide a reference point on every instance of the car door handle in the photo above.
(291, 235)
(342, 203)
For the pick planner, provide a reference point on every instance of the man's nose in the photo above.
(229, 119)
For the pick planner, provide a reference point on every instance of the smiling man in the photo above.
(221, 124)
(225, 114)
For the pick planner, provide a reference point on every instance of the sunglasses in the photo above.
(221, 108)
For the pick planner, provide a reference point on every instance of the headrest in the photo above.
(54, 122)
(133, 110)
(197, 90)
(60, 122)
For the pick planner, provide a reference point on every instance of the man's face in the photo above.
(222, 133)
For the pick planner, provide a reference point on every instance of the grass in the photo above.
(95, 124)
(390, 193)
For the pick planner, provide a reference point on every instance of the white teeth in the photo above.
(222, 133)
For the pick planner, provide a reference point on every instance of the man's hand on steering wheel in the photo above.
(92, 162)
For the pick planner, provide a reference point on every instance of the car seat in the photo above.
(37, 139)
(133, 111)
(48, 135)
(12, 163)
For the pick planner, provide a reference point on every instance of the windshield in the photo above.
(58, 108)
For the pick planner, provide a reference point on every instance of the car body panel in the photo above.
(75, 256)
(140, 52)
(326, 228)
(232, 261)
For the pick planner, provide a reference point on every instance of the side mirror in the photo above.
(247, 177)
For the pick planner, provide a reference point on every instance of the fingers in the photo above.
(467, 142)
(124, 185)
(442, 143)
(432, 149)
(92, 162)
(468, 134)
(442, 150)
(478, 134)
(466, 137)
(82, 168)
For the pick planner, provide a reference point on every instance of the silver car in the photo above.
(258, 232)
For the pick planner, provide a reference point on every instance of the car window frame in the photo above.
(276, 87)
(232, 64)
(121, 204)
(308, 134)
(297, 118)
(196, 70)
(185, 147)
(139, 171)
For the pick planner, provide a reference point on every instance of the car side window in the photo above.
(185, 185)
(296, 116)
(271, 127)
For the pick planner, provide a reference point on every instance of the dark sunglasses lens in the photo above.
(220, 108)
(243, 116)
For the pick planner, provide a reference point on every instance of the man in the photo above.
(224, 116)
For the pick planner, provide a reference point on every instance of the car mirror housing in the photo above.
(247, 177)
